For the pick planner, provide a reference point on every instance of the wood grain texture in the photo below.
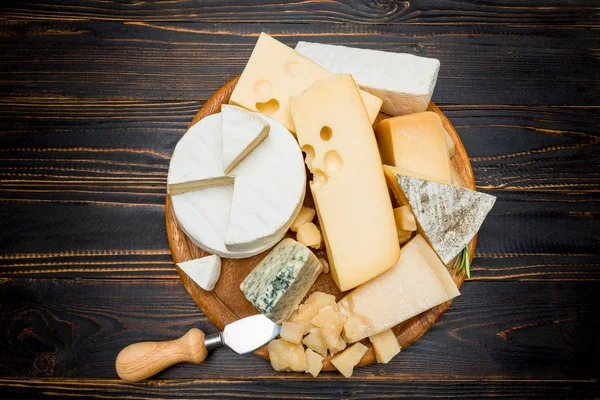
(539, 12)
(295, 389)
(189, 61)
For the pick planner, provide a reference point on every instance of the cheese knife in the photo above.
(139, 361)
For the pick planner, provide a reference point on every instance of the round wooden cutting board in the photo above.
(226, 303)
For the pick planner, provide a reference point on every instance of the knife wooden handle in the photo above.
(139, 361)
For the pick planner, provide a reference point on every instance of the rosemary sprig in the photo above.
(462, 261)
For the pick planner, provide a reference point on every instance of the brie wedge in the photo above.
(204, 271)
(241, 132)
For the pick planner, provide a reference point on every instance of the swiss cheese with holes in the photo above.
(274, 73)
(348, 186)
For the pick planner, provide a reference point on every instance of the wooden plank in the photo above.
(501, 330)
(188, 61)
(513, 12)
(295, 389)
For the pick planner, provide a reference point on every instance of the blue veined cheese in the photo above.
(404, 82)
(281, 280)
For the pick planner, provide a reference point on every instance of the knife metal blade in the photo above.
(244, 335)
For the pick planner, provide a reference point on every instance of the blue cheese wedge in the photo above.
(404, 82)
(281, 280)
(448, 216)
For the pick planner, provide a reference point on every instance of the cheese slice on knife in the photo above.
(348, 186)
(241, 132)
(274, 73)
(204, 271)
(448, 216)
(418, 282)
(404, 82)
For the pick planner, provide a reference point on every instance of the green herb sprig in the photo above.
(463, 262)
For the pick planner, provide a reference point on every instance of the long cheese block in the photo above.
(404, 82)
(416, 144)
(418, 282)
(253, 214)
(274, 73)
(348, 185)
(277, 285)
(448, 216)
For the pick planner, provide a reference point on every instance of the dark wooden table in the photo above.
(94, 95)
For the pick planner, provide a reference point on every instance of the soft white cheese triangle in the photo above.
(448, 216)
(404, 82)
(241, 132)
(204, 271)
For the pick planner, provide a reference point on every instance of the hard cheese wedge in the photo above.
(352, 200)
(416, 144)
(404, 82)
(241, 132)
(204, 271)
(418, 282)
(274, 73)
(448, 216)
(281, 280)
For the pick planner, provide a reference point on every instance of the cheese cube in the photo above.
(315, 341)
(346, 361)
(405, 220)
(324, 313)
(274, 73)
(418, 282)
(314, 362)
(348, 186)
(307, 311)
(405, 82)
(281, 280)
(332, 330)
(416, 144)
(309, 235)
(285, 356)
(386, 346)
(292, 332)
(305, 215)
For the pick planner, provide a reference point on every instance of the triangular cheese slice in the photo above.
(204, 271)
(241, 133)
(448, 216)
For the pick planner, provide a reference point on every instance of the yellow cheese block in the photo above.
(416, 144)
(418, 282)
(274, 73)
(348, 186)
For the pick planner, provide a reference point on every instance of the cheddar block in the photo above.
(305, 215)
(416, 144)
(314, 363)
(418, 282)
(285, 356)
(405, 220)
(346, 361)
(274, 73)
(309, 235)
(315, 341)
(351, 197)
(386, 346)
(292, 332)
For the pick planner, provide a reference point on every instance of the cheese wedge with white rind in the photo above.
(448, 216)
(418, 282)
(404, 82)
(204, 271)
(204, 214)
(274, 73)
(196, 161)
(241, 132)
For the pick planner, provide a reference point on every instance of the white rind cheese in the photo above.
(204, 271)
(254, 213)
(404, 82)
(241, 132)
(448, 216)
(281, 280)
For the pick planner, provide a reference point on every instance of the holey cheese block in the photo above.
(227, 303)
(247, 211)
